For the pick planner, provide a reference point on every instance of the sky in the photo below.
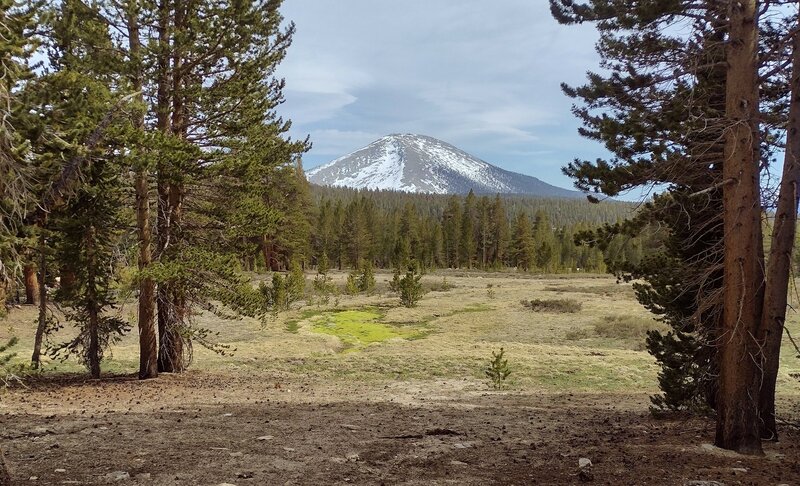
(483, 76)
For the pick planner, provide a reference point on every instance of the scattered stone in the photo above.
(338, 460)
(227, 415)
(226, 484)
(59, 470)
(289, 449)
(36, 431)
(354, 457)
(585, 469)
(739, 470)
(33, 478)
(118, 476)
(458, 463)
(459, 445)
(236, 454)
(244, 475)
(351, 427)
(265, 437)
(697, 482)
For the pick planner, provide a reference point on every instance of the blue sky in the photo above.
(483, 76)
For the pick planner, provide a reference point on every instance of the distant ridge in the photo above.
(422, 164)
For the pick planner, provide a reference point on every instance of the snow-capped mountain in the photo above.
(417, 163)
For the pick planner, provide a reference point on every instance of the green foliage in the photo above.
(351, 286)
(6, 373)
(568, 306)
(409, 287)
(497, 370)
(366, 278)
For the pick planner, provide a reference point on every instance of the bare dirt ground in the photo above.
(205, 428)
(293, 406)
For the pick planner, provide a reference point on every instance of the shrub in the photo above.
(625, 327)
(444, 286)
(366, 279)
(569, 306)
(409, 287)
(497, 370)
(351, 287)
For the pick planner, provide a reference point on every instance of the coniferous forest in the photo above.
(154, 204)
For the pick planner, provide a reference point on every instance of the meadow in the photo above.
(359, 389)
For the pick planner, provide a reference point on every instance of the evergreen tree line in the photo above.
(389, 229)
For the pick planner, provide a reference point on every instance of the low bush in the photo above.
(559, 306)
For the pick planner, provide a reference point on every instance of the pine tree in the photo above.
(467, 245)
(522, 246)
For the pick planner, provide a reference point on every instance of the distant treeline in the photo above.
(388, 229)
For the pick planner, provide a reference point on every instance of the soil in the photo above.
(210, 428)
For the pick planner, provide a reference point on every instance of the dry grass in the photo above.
(596, 349)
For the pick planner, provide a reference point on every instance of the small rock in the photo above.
(265, 437)
(59, 470)
(244, 475)
(354, 457)
(40, 431)
(236, 454)
(458, 463)
(289, 449)
(118, 476)
(226, 484)
(585, 469)
(338, 460)
(697, 482)
(738, 470)
(459, 445)
(351, 427)
(227, 415)
(33, 478)
(142, 476)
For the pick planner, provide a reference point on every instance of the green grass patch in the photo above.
(362, 327)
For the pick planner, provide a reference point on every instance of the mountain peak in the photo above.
(419, 163)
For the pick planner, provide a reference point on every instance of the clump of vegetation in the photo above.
(490, 291)
(351, 286)
(323, 285)
(443, 286)
(366, 278)
(560, 306)
(497, 370)
(6, 375)
(409, 287)
(577, 333)
(625, 327)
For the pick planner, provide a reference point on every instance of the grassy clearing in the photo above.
(448, 336)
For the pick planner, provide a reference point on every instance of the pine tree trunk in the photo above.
(780, 255)
(31, 284)
(148, 344)
(42, 324)
(93, 353)
(5, 477)
(737, 406)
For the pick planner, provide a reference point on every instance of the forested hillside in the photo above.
(389, 228)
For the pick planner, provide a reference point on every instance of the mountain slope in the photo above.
(417, 163)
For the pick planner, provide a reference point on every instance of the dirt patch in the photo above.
(211, 428)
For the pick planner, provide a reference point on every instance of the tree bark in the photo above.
(780, 256)
(93, 353)
(31, 284)
(148, 343)
(42, 324)
(737, 405)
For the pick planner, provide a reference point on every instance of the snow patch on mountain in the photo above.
(418, 163)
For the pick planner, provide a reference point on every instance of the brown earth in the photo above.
(259, 428)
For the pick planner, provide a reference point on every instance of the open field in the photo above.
(362, 391)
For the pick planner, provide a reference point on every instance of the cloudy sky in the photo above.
(481, 75)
